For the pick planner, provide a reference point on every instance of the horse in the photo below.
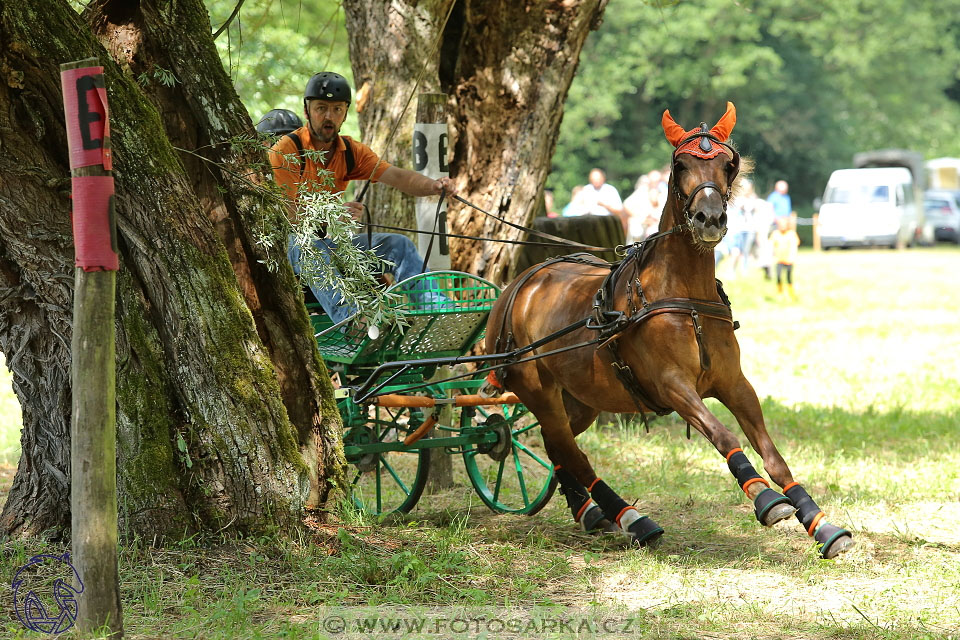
(664, 337)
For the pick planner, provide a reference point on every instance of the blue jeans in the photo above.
(394, 247)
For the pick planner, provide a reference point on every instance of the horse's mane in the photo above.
(746, 170)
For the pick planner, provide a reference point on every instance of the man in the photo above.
(600, 198)
(782, 206)
(325, 102)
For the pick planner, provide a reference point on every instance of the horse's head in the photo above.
(701, 179)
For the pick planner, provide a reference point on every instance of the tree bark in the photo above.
(507, 66)
(221, 395)
(390, 44)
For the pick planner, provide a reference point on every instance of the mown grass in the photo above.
(861, 392)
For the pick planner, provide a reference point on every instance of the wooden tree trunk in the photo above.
(507, 65)
(390, 45)
(220, 390)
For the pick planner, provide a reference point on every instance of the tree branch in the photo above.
(226, 24)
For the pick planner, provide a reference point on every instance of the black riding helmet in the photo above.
(278, 122)
(326, 85)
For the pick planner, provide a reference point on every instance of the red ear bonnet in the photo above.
(726, 123)
(676, 134)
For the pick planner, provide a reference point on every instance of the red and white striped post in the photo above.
(93, 432)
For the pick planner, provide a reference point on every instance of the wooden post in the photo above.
(93, 446)
(430, 159)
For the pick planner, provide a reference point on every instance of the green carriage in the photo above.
(392, 433)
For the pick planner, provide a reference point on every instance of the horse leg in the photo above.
(595, 506)
(585, 511)
(745, 406)
(770, 506)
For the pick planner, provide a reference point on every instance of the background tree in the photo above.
(225, 413)
(812, 85)
(506, 96)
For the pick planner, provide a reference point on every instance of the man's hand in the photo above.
(355, 209)
(415, 184)
(445, 184)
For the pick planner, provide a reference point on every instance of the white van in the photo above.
(868, 207)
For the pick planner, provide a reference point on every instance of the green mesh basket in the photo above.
(444, 314)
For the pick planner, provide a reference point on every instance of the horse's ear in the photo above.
(674, 132)
(726, 123)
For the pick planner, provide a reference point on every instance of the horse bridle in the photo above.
(687, 200)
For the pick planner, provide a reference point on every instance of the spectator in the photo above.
(780, 199)
(599, 198)
(762, 223)
(548, 204)
(746, 204)
(736, 236)
(637, 209)
(575, 206)
(652, 222)
(785, 242)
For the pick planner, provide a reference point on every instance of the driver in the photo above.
(325, 102)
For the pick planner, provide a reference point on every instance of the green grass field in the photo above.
(860, 384)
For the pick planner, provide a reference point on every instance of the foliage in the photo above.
(273, 47)
(321, 214)
(348, 269)
(813, 84)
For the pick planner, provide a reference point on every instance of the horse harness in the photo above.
(611, 323)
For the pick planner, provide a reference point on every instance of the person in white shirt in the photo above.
(599, 198)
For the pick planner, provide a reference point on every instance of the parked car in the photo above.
(868, 207)
(941, 209)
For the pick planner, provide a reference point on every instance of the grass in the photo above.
(860, 384)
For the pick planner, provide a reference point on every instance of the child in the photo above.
(785, 242)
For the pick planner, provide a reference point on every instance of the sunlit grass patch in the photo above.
(859, 387)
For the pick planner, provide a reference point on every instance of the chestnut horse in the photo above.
(669, 343)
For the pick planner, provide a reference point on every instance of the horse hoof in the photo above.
(650, 542)
(771, 507)
(644, 532)
(778, 513)
(838, 546)
(594, 522)
(603, 526)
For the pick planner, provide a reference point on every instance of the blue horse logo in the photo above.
(30, 606)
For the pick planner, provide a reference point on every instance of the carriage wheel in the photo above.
(514, 475)
(389, 481)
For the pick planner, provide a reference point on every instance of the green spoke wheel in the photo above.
(513, 475)
(383, 482)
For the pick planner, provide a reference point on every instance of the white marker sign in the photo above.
(430, 159)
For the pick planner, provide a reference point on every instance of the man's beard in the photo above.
(326, 132)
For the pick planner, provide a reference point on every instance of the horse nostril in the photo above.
(723, 219)
(700, 218)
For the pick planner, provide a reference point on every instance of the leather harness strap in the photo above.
(611, 323)
(505, 341)
(616, 324)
